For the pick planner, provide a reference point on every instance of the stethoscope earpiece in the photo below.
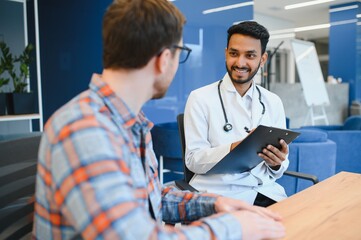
(228, 127)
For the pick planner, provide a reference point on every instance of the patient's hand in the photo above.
(256, 227)
(256, 222)
(225, 204)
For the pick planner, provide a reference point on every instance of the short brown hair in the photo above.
(136, 30)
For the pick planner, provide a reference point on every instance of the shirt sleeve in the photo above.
(188, 207)
(94, 188)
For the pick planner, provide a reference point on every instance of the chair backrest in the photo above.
(352, 123)
(17, 186)
(167, 148)
(188, 174)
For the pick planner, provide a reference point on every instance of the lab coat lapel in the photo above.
(256, 108)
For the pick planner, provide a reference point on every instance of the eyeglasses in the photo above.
(185, 51)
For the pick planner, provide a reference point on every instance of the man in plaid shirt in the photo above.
(97, 173)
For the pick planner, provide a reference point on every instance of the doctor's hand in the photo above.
(235, 144)
(274, 156)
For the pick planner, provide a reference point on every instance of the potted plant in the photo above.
(20, 101)
(2, 96)
(5, 64)
(3, 82)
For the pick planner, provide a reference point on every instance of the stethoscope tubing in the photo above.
(228, 126)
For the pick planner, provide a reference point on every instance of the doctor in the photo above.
(218, 116)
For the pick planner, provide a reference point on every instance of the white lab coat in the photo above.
(207, 143)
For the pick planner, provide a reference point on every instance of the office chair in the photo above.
(167, 148)
(183, 184)
(17, 186)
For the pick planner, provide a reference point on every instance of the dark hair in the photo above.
(136, 30)
(250, 28)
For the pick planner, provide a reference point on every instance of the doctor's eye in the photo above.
(251, 56)
(233, 54)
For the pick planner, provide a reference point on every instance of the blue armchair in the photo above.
(168, 150)
(312, 153)
(348, 140)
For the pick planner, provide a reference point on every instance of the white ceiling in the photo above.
(300, 17)
(269, 13)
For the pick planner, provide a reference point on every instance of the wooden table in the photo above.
(328, 210)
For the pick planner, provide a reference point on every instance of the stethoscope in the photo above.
(228, 126)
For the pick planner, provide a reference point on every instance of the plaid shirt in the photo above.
(97, 179)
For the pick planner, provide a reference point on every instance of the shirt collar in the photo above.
(228, 85)
(117, 107)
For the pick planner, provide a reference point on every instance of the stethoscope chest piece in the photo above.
(227, 127)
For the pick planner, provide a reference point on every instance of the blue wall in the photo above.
(71, 50)
(345, 46)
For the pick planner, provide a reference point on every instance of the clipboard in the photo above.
(245, 156)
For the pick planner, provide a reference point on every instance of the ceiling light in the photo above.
(339, 9)
(219, 9)
(306, 4)
(282, 31)
(313, 27)
(344, 22)
(299, 29)
(282, 36)
(235, 23)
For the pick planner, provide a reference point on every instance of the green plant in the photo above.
(8, 63)
(3, 81)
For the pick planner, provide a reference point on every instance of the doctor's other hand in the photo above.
(274, 156)
(256, 227)
(225, 204)
(235, 144)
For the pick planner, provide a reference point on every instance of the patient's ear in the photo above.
(163, 60)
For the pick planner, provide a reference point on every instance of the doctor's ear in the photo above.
(264, 58)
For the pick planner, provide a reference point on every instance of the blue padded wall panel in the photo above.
(345, 30)
(71, 50)
(348, 158)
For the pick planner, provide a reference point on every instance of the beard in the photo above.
(161, 91)
(158, 95)
(160, 88)
(240, 81)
